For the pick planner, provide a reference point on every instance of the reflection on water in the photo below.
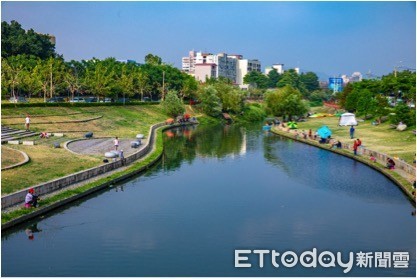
(329, 171)
(186, 143)
(218, 189)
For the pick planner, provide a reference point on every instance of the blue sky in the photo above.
(325, 37)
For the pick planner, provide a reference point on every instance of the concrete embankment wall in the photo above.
(382, 157)
(58, 184)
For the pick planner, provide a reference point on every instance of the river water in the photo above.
(220, 189)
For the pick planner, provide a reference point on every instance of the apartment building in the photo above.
(203, 65)
(244, 67)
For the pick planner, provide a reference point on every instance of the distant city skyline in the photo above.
(329, 38)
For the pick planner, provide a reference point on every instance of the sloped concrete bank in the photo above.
(381, 169)
(151, 146)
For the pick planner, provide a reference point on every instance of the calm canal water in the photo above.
(216, 190)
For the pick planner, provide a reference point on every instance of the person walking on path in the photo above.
(116, 143)
(352, 132)
(27, 122)
(122, 157)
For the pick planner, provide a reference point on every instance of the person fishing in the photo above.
(31, 200)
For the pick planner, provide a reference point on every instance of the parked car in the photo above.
(91, 100)
(147, 99)
(19, 99)
(123, 100)
(77, 100)
(56, 100)
(106, 100)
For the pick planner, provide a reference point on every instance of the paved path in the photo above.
(102, 145)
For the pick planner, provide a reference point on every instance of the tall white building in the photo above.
(233, 67)
(188, 63)
(278, 67)
(226, 66)
(244, 67)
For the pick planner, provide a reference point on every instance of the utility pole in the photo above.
(163, 85)
(51, 81)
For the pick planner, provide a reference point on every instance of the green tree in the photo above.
(172, 105)
(125, 81)
(153, 59)
(256, 78)
(15, 40)
(189, 87)
(292, 79)
(381, 107)
(366, 103)
(403, 114)
(141, 82)
(286, 102)
(274, 78)
(72, 82)
(210, 102)
(310, 81)
(99, 79)
(11, 75)
(351, 103)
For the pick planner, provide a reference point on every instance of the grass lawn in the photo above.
(10, 157)
(47, 163)
(379, 138)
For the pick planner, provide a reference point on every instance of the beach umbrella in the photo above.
(324, 132)
(292, 125)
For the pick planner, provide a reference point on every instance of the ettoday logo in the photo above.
(326, 259)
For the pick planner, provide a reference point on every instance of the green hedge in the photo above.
(32, 105)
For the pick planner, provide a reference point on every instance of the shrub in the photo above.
(253, 113)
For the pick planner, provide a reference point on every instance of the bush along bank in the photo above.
(400, 181)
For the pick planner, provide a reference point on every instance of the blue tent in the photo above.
(324, 132)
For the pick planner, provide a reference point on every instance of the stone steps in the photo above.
(8, 134)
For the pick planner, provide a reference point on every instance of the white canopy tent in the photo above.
(348, 119)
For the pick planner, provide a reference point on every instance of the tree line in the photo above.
(393, 94)
(31, 67)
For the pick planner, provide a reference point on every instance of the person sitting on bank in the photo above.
(339, 144)
(390, 164)
(44, 135)
(372, 158)
(334, 144)
(31, 200)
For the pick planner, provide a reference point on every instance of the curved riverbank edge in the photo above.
(26, 159)
(71, 195)
(401, 182)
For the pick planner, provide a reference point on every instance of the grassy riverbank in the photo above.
(381, 138)
(100, 183)
(47, 163)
